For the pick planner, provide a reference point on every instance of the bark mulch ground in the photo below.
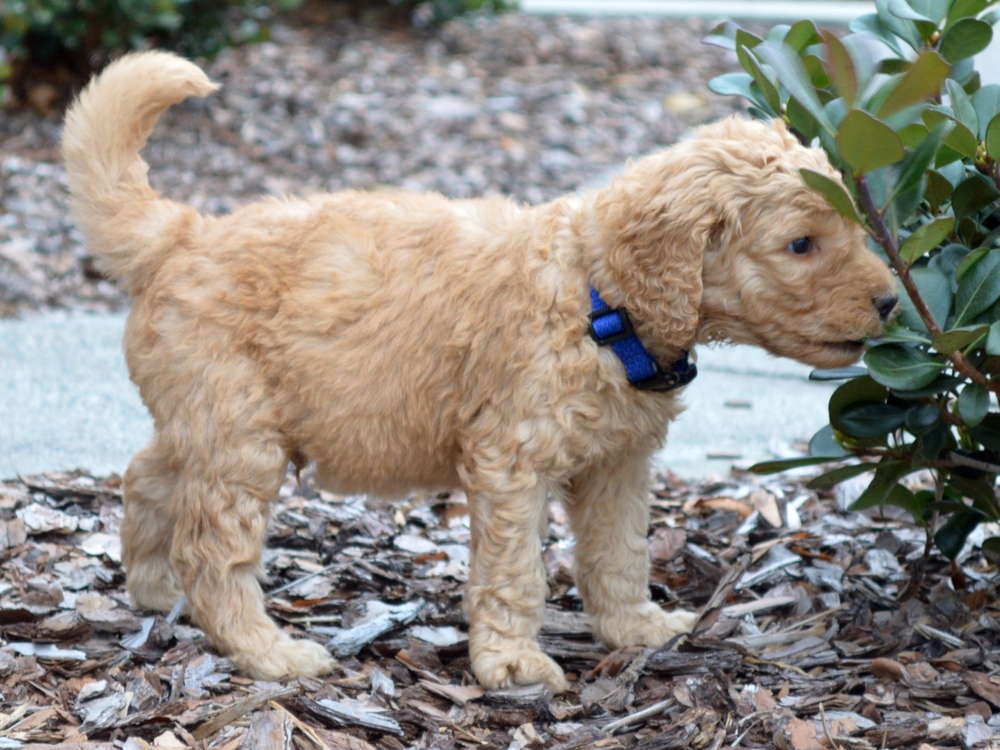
(807, 640)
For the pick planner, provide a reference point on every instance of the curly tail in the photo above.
(126, 223)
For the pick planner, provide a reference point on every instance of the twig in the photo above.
(245, 706)
(304, 728)
(645, 713)
(959, 460)
(881, 234)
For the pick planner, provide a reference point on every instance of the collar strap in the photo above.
(612, 327)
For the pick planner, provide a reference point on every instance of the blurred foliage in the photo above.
(59, 43)
(899, 108)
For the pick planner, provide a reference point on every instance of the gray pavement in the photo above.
(68, 403)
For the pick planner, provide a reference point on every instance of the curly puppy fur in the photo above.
(403, 340)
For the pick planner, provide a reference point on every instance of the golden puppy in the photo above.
(403, 340)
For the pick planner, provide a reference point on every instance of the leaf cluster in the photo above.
(900, 109)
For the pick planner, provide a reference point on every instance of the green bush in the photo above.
(426, 12)
(899, 108)
(70, 38)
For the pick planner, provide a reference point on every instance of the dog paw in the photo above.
(159, 597)
(286, 658)
(516, 661)
(643, 625)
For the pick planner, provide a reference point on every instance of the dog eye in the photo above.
(801, 246)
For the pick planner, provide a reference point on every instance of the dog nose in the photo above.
(884, 305)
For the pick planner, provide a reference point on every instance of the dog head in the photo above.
(719, 239)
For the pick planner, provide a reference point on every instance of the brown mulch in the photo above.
(803, 644)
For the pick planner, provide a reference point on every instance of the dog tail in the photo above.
(126, 223)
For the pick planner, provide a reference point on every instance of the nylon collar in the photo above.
(612, 327)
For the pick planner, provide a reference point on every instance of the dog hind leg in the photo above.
(220, 532)
(147, 529)
(609, 513)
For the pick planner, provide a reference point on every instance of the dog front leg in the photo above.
(505, 598)
(608, 508)
(220, 532)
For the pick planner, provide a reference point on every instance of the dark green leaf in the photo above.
(843, 373)
(834, 193)
(966, 38)
(801, 120)
(792, 75)
(926, 238)
(987, 104)
(933, 443)
(867, 144)
(905, 30)
(956, 339)
(886, 477)
(723, 35)
(922, 81)
(917, 161)
(901, 366)
(948, 260)
(993, 138)
(951, 537)
(981, 491)
(773, 467)
(922, 417)
(900, 334)
(938, 190)
(840, 68)
(903, 497)
(940, 384)
(964, 9)
(870, 23)
(973, 404)
(961, 106)
(901, 9)
(987, 433)
(979, 288)
(836, 476)
(801, 35)
(732, 84)
(771, 99)
(956, 135)
(825, 443)
(972, 194)
(935, 288)
(933, 10)
(870, 420)
(859, 390)
(817, 75)
(993, 339)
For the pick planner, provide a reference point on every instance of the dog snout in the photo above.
(884, 305)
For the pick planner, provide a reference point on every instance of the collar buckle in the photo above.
(682, 373)
(609, 326)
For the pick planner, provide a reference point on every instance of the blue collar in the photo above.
(612, 327)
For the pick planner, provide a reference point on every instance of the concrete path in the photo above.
(67, 402)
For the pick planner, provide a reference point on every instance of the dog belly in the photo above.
(382, 468)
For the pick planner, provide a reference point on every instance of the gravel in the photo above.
(526, 106)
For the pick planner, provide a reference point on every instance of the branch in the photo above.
(887, 241)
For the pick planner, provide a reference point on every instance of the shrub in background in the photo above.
(62, 40)
(899, 107)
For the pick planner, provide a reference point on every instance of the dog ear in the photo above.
(657, 220)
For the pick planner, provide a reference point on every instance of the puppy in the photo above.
(403, 340)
